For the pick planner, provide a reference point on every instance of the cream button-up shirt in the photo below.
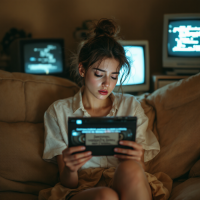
(56, 127)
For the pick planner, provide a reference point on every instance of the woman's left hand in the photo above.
(137, 153)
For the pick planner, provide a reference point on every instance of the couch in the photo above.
(174, 117)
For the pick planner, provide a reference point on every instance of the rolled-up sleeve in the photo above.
(53, 140)
(146, 137)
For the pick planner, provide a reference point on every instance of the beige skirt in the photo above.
(160, 184)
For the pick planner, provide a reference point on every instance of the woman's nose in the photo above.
(106, 82)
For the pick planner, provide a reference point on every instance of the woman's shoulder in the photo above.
(126, 98)
(61, 105)
(127, 104)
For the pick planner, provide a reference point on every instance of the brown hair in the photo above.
(102, 43)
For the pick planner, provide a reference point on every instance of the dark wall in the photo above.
(139, 19)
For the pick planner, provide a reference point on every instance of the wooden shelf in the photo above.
(162, 80)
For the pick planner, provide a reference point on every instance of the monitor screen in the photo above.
(181, 42)
(137, 53)
(184, 38)
(136, 57)
(42, 57)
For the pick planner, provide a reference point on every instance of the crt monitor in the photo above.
(38, 56)
(181, 41)
(137, 53)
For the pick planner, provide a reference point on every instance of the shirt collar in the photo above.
(78, 104)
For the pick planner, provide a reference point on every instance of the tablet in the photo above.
(101, 135)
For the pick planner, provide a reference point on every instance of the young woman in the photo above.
(99, 63)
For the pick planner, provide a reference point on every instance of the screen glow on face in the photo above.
(184, 38)
(136, 57)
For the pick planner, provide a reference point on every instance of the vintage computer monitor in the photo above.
(38, 56)
(137, 53)
(181, 43)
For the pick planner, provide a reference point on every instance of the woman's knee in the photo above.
(129, 173)
(104, 193)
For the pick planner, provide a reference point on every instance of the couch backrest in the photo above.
(177, 126)
(25, 97)
(23, 100)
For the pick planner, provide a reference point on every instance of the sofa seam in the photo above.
(22, 122)
(23, 182)
(41, 82)
(192, 173)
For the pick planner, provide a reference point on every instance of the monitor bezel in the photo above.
(23, 42)
(177, 61)
(138, 87)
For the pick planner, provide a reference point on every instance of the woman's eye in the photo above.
(102, 75)
(98, 75)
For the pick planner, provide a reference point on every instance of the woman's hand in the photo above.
(74, 161)
(137, 153)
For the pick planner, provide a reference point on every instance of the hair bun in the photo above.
(106, 27)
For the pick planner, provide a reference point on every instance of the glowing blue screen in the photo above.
(101, 130)
(136, 57)
(184, 38)
(43, 58)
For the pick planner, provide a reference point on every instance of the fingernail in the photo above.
(115, 149)
(121, 142)
(89, 153)
(83, 148)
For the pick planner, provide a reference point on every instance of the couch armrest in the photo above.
(195, 170)
(187, 190)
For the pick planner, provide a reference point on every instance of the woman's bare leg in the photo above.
(130, 181)
(98, 193)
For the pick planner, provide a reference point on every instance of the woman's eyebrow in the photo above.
(105, 71)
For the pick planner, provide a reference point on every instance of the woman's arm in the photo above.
(69, 163)
(142, 160)
(67, 178)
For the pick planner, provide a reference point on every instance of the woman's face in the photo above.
(100, 80)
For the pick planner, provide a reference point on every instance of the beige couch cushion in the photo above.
(12, 101)
(17, 196)
(190, 189)
(40, 95)
(195, 170)
(22, 168)
(25, 97)
(177, 126)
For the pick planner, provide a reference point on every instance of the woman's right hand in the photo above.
(74, 161)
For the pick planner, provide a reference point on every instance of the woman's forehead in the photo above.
(107, 64)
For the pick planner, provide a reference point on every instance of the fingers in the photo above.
(74, 166)
(132, 144)
(129, 152)
(78, 156)
(68, 153)
(72, 150)
(80, 161)
(74, 161)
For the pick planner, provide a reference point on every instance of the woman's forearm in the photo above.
(69, 179)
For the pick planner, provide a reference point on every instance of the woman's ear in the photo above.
(81, 70)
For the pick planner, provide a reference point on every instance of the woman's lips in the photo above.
(103, 92)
